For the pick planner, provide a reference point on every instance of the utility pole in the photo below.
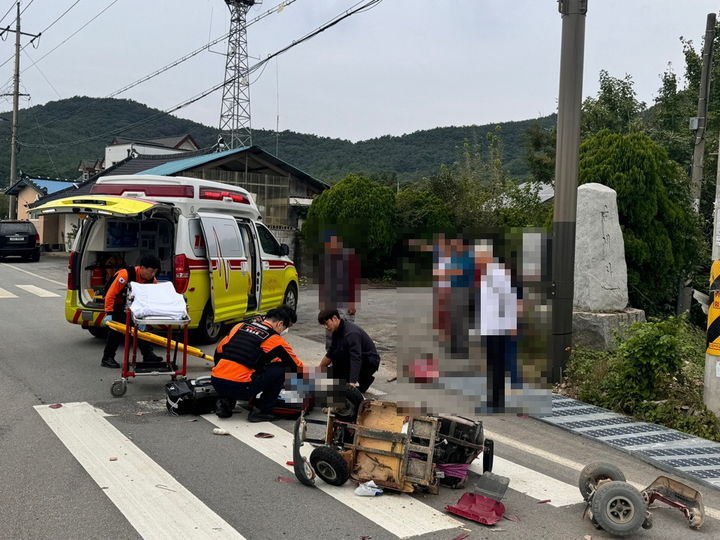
(711, 390)
(566, 173)
(235, 112)
(699, 124)
(12, 203)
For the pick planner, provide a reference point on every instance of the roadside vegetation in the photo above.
(655, 375)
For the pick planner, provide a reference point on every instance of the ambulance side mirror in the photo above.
(284, 250)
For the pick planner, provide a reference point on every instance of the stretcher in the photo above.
(131, 368)
(163, 342)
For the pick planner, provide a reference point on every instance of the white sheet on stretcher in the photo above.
(157, 300)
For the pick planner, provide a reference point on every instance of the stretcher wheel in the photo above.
(593, 473)
(118, 388)
(330, 465)
(618, 508)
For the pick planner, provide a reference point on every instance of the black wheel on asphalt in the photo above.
(619, 508)
(208, 331)
(118, 388)
(290, 298)
(330, 465)
(35, 257)
(98, 332)
(593, 473)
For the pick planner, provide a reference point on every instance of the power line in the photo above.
(8, 11)
(275, 9)
(332, 22)
(43, 31)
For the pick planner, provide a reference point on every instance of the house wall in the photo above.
(118, 152)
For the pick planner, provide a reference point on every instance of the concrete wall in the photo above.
(118, 152)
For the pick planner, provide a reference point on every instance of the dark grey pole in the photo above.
(12, 202)
(566, 178)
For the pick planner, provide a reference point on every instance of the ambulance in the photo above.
(209, 237)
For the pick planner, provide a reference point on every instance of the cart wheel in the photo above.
(593, 473)
(118, 388)
(619, 508)
(647, 524)
(330, 465)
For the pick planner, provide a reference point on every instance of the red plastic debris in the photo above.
(478, 508)
(56, 405)
(285, 479)
(262, 435)
(545, 501)
(291, 463)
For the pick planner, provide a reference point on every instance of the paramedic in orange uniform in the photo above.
(115, 299)
(253, 358)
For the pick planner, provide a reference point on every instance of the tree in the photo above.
(615, 108)
(541, 153)
(362, 213)
(661, 233)
(421, 214)
(481, 194)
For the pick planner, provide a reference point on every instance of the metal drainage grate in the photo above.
(666, 448)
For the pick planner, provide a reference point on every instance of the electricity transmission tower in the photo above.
(235, 110)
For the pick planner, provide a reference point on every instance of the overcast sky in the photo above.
(403, 66)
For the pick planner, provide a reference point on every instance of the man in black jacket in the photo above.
(352, 353)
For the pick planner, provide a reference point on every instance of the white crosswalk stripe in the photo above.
(133, 479)
(37, 291)
(6, 294)
(156, 504)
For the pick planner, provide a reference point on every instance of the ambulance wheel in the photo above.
(97, 332)
(118, 388)
(208, 331)
(330, 465)
(593, 473)
(290, 297)
(618, 508)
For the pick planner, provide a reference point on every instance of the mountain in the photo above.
(54, 138)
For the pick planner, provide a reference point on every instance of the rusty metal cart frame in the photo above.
(398, 459)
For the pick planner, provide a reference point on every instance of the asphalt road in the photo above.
(123, 468)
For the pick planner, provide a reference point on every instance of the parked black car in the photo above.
(19, 238)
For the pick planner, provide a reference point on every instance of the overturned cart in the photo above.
(400, 452)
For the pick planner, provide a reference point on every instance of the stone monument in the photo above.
(600, 305)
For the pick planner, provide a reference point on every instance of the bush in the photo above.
(655, 374)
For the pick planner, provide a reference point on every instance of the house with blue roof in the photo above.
(282, 192)
(29, 190)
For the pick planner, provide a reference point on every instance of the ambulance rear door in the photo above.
(227, 261)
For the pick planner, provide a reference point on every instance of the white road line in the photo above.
(156, 504)
(37, 291)
(35, 275)
(6, 294)
(532, 483)
(709, 512)
(401, 515)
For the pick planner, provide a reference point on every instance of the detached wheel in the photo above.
(98, 332)
(118, 388)
(290, 298)
(330, 465)
(593, 473)
(208, 331)
(619, 508)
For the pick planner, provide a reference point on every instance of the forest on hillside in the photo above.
(55, 137)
